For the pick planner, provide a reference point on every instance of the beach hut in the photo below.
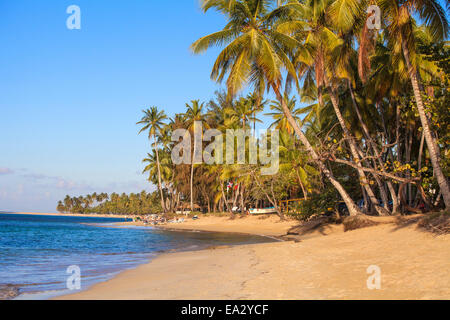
(185, 208)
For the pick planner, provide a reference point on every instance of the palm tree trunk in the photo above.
(242, 200)
(305, 193)
(375, 150)
(159, 177)
(225, 200)
(431, 143)
(192, 184)
(408, 143)
(352, 208)
(354, 150)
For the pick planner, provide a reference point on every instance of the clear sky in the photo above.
(69, 99)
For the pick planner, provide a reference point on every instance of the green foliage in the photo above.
(317, 204)
(133, 204)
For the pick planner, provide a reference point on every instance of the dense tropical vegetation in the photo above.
(363, 113)
(119, 204)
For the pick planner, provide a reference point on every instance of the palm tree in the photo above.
(313, 22)
(68, 203)
(256, 50)
(243, 112)
(399, 21)
(295, 160)
(281, 121)
(195, 116)
(258, 104)
(153, 121)
(60, 207)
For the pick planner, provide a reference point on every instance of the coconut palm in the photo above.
(281, 121)
(195, 116)
(295, 161)
(258, 104)
(243, 112)
(255, 50)
(400, 28)
(153, 121)
(313, 21)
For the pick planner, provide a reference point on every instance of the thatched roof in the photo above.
(188, 206)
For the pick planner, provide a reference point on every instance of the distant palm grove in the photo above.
(363, 113)
(119, 204)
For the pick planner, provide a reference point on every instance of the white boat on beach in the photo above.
(263, 211)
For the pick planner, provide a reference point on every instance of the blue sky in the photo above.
(69, 99)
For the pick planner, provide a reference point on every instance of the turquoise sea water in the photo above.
(35, 251)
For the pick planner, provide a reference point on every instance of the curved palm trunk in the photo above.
(159, 178)
(431, 143)
(354, 150)
(352, 208)
(305, 193)
(376, 152)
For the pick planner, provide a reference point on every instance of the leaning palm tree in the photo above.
(195, 116)
(254, 51)
(153, 121)
(311, 22)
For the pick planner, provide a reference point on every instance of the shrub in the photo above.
(317, 204)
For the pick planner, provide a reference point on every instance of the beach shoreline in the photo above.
(265, 226)
(331, 264)
(68, 215)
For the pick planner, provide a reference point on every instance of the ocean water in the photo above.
(36, 251)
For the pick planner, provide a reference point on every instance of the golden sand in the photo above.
(413, 264)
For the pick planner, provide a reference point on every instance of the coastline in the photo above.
(265, 226)
(330, 264)
(215, 240)
(67, 215)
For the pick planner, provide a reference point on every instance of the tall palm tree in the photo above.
(399, 21)
(255, 50)
(312, 21)
(153, 121)
(152, 166)
(195, 115)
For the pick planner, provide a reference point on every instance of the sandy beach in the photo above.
(257, 225)
(329, 264)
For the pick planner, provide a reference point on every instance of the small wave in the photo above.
(118, 253)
